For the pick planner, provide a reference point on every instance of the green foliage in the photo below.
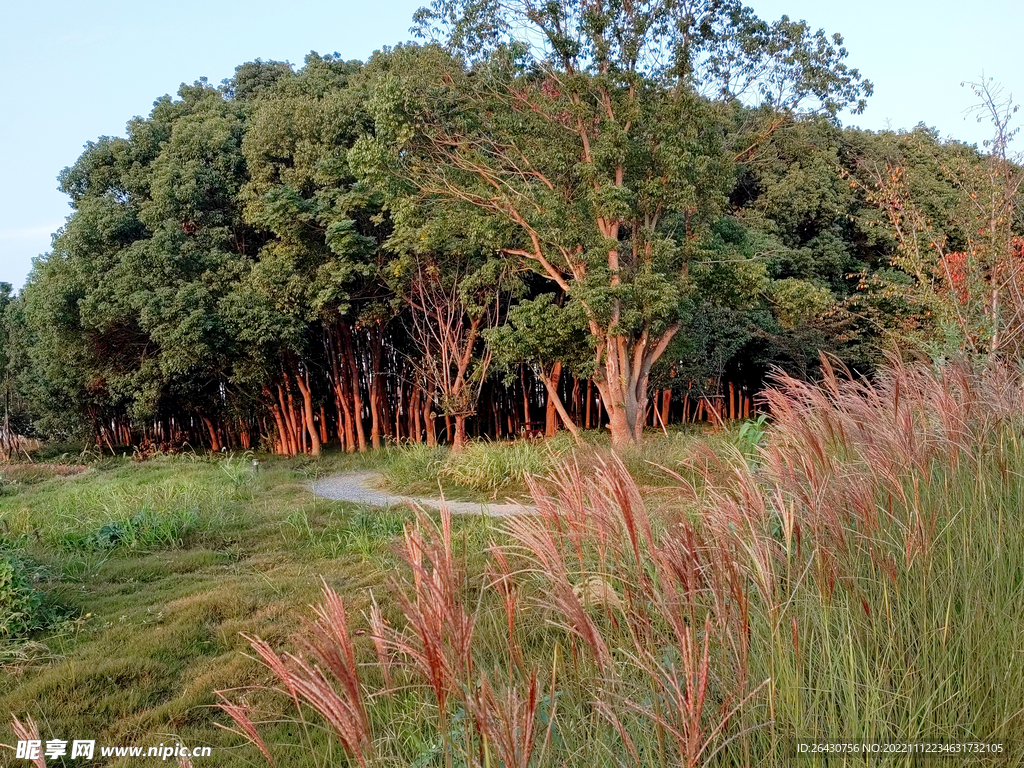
(23, 607)
(795, 299)
(541, 332)
(751, 435)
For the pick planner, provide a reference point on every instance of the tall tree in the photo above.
(593, 134)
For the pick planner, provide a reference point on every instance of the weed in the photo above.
(23, 608)
(147, 528)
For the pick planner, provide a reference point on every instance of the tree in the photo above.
(592, 135)
(966, 266)
(452, 301)
(323, 245)
(125, 309)
(551, 339)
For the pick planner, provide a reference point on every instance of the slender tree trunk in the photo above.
(212, 430)
(346, 430)
(376, 384)
(526, 400)
(590, 400)
(429, 425)
(282, 431)
(416, 415)
(307, 412)
(552, 411)
(288, 436)
(460, 439)
(551, 385)
(357, 402)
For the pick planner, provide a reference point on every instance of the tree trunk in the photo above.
(550, 384)
(552, 411)
(415, 416)
(289, 422)
(214, 441)
(357, 400)
(622, 377)
(429, 425)
(376, 355)
(526, 401)
(460, 439)
(590, 400)
(346, 430)
(307, 413)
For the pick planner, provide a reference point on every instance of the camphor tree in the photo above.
(592, 136)
(124, 310)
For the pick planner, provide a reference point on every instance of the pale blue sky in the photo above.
(74, 71)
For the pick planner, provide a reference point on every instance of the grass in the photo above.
(148, 571)
(852, 571)
(156, 568)
(487, 470)
(856, 578)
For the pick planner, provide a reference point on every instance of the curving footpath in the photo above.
(360, 488)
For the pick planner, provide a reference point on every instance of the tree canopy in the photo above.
(539, 210)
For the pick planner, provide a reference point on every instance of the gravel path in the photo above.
(361, 488)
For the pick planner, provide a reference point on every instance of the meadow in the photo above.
(851, 571)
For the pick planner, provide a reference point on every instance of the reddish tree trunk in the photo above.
(214, 440)
(460, 439)
(552, 411)
(376, 384)
(357, 401)
(307, 415)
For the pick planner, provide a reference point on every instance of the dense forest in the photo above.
(477, 236)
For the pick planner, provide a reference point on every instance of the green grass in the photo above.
(148, 571)
(152, 571)
(487, 470)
